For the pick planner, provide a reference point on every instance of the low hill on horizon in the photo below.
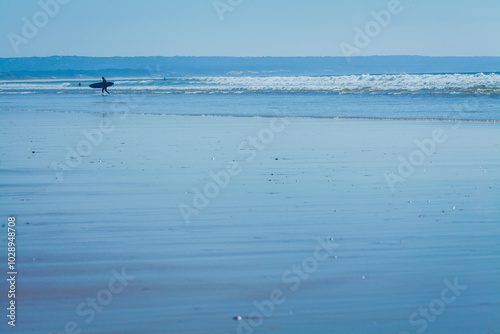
(77, 67)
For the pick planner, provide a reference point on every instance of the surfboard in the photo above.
(101, 84)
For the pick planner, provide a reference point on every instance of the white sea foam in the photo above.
(360, 82)
(479, 84)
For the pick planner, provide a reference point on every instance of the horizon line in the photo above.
(249, 56)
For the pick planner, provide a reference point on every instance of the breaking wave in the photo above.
(479, 84)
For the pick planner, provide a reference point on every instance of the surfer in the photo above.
(104, 88)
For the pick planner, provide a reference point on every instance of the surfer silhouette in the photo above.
(104, 88)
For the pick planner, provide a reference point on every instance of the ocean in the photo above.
(358, 210)
(458, 96)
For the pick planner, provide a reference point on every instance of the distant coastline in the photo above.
(76, 67)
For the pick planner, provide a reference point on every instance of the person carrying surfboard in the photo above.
(104, 86)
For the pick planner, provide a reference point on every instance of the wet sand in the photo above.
(177, 224)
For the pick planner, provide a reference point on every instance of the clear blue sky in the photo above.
(252, 28)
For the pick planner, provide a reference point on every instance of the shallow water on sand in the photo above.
(392, 252)
(301, 105)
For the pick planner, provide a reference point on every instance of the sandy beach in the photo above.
(178, 224)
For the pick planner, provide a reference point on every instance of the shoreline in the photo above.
(291, 117)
